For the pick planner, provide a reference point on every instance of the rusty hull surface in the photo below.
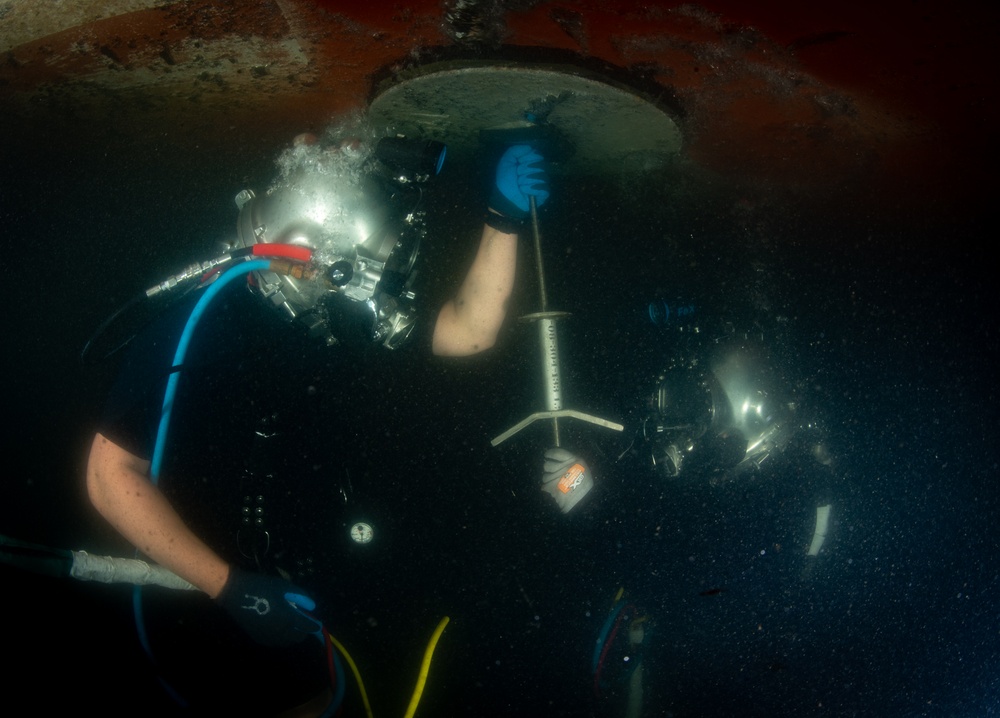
(885, 107)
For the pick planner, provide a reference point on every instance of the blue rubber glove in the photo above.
(520, 175)
(269, 608)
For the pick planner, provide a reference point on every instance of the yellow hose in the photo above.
(424, 668)
(354, 670)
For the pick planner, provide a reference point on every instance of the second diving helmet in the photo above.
(719, 414)
(358, 213)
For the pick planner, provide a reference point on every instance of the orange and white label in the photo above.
(572, 478)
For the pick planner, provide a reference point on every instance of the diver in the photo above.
(719, 420)
(724, 404)
(224, 397)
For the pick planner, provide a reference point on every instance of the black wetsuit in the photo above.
(255, 464)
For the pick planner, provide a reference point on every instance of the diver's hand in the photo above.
(269, 608)
(566, 478)
(520, 175)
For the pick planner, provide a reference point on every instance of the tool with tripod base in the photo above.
(552, 380)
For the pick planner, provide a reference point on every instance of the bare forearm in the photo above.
(121, 492)
(470, 322)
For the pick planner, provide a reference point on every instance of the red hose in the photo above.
(290, 251)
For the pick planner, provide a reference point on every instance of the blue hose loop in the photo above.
(341, 678)
(236, 272)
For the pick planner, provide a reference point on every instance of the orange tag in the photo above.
(572, 478)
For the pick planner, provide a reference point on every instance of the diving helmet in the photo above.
(718, 415)
(360, 218)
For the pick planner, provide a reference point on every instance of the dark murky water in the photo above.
(891, 329)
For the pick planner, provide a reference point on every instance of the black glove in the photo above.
(520, 174)
(269, 608)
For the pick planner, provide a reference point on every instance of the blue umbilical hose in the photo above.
(229, 275)
(236, 272)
